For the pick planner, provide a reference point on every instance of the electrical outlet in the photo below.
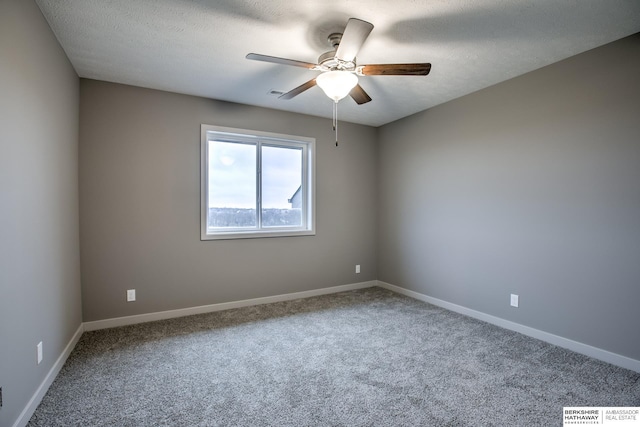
(358, 269)
(39, 352)
(131, 295)
(514, 300)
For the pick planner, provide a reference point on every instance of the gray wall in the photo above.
(39, 243)
(140, 206)
(531, 187)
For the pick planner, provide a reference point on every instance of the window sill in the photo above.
(232, 235)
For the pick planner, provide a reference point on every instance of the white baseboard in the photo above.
(578, 347)
(35, 400)
(169, 314)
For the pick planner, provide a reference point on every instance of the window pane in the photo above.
(232, 185)
(256, 184)
(281, 186)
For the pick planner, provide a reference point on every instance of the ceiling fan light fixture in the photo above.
(337, 84)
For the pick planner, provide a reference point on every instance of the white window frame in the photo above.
(308, 146)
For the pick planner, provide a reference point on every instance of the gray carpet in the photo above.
(363, 358)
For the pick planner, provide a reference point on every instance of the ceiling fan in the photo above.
(340, 71)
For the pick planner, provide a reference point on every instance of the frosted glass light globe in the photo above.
(337, 84)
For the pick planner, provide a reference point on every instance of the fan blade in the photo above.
(282, 61)
(297, 91)
(395, 69)
(359, 95)
(353, 37)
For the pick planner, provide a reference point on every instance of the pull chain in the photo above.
(335, 120)
(334, 116)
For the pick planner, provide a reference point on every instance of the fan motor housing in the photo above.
(328, 60)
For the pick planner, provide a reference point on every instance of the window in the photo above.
(256, 184)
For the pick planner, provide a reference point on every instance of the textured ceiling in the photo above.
(198, 47)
